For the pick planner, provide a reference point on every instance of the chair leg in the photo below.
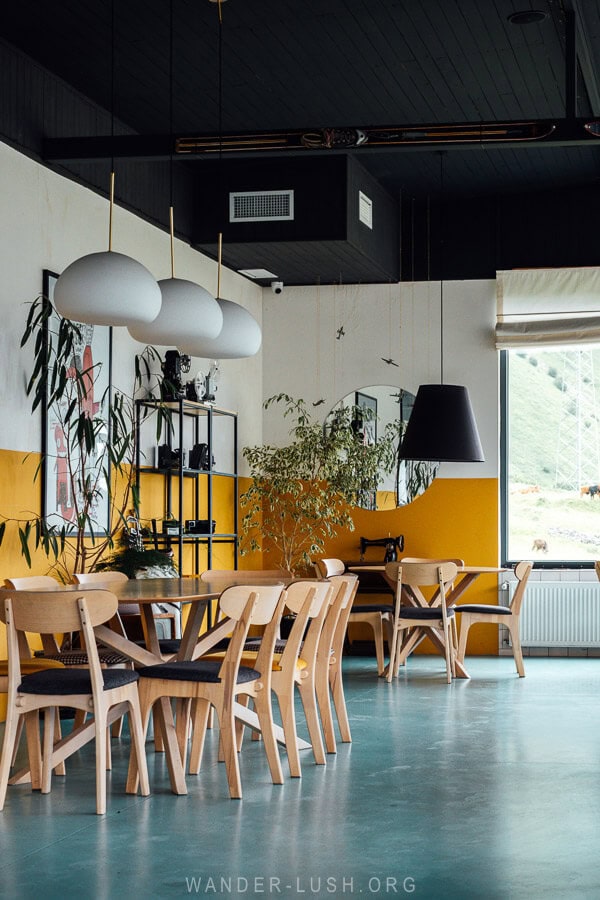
(11, 732)
(377, 624)
(288, 722)
(232, 766)
(264, 711)
(339, 702)
(34, 751)
(138, 744)
(465, 624)
(60, 768)
(308, 697)
(517, 650)
(49, 718)
(200, 715)
(448, 655)
(324, 704)
(102, 731)
(393, 653)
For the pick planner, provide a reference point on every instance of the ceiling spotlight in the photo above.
(527, 17)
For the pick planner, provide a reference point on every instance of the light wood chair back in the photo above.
(99, 577)
(325, 568)
(522, 573)
(243, 576)
(31, 583)
(234, 599)
(597, 568)
(57, 611)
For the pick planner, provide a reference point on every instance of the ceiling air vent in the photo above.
(261, 206)
(365, 210)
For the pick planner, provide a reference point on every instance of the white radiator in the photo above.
(560, 614)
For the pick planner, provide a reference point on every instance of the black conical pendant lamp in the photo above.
(442, 425)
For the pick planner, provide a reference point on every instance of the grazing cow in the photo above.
(591, 490)
(540, 544)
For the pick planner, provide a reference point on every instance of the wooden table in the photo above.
(193, 592)
(468, 574)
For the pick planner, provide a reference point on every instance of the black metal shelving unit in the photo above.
(204, 419)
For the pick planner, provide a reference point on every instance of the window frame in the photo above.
(504, 505)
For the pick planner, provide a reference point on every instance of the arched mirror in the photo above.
(378, 415)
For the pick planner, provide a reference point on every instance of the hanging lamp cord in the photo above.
(171, 216)
(442, 154)
(220, 130)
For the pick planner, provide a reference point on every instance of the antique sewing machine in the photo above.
(393, 546)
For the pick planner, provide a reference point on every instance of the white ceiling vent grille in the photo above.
(365, 210)
(261, 206)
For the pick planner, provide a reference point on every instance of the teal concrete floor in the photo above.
(486, 788)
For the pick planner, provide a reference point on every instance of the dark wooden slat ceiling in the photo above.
(323, 63)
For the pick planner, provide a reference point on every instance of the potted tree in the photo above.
(301, 494)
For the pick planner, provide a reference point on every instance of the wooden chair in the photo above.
(108, 693)
(244, 576)
(378, 616)
(99, 577)
(425, 559)
(216, 684)
(474, 613)
(295, 668)
(329, 681)
(597, 568)
(437, 619)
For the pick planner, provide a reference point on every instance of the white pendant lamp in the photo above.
(107, 288)
(189, 314)
(240, 336)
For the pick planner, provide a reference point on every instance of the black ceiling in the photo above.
(318, 64)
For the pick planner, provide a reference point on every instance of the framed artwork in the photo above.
(369, 419)
(62, 469)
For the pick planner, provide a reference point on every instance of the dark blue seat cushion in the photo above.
(484, 608)
(423, 612)
(106, 656)
(195, 670)
(73, 681)
(167, 645)
(373, 607)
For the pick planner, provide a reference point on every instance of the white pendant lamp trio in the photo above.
(110, 288)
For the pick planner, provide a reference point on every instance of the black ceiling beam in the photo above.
(564, 132)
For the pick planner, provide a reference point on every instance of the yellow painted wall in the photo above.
(453, 518)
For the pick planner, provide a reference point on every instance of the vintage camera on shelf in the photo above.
(166, 458)
(199, 457)
(175, 364)
(171, 527)
(199, 526)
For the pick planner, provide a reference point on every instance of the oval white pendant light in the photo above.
(240, 336)
(188, 314)
(107, 289)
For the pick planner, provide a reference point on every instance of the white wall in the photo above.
(49, 221)
(303, 357)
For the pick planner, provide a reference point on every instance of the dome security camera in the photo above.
(277, 287)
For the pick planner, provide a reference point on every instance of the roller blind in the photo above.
(547, 306)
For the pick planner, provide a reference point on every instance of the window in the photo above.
(551, 454)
